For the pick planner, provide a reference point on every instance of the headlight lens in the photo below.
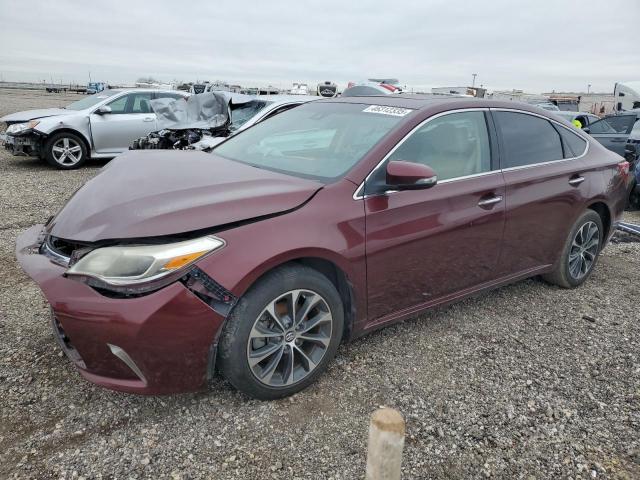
(22, 127)
(140, 268)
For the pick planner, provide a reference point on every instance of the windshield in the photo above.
(91, 100)
(316, 140)
(242, 112)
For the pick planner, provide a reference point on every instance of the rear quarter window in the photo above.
(574, 145)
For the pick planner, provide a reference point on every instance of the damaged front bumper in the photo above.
(159, 343)
(27, 144)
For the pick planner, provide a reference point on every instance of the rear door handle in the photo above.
(575, 181)
(489, 201)
(619, 140)
(148, 119)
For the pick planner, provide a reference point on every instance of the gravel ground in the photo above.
(528, 381)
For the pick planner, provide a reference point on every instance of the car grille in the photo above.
(61, 251)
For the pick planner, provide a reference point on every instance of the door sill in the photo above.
(413, 311)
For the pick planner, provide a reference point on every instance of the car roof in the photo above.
(444, 102)
(568, 113)
(164, 90)
(288, 98)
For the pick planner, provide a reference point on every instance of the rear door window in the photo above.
(527, 139)
(173, 96)
(141, 103)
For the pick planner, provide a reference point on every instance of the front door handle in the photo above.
(147, 119)
(619, 140)
(575, 181)
(489, 201)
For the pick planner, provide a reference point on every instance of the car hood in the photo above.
(162, 193)
(31, 114)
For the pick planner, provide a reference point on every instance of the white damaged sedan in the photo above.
(99, 126)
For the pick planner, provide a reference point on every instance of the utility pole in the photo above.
(588, 89)
(473, 84)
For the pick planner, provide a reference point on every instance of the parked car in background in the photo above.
(243, 112)
(613, 131)
(245, 115)
(373, 86)
(95, 87)
(99, 126)
(546, 106)
(632, 155)
(328, 221)
(584, 118)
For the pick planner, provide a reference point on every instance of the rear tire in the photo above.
(66, 151)
(269, 357)
(580, 252)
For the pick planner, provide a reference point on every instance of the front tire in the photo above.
(282, 334)
(66, 151)
(580, 252)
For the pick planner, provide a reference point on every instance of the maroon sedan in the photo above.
(319, 225)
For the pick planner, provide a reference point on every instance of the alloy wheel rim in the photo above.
(67, 151)
(584, 249)
(289, 338)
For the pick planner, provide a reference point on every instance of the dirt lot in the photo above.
(529, 381)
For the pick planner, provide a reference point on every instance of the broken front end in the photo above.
(185, 123)
(22, 139)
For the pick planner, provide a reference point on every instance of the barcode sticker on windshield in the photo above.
(395, 111)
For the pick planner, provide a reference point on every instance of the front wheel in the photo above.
(282, 334)
(66, 151)
(579, 253)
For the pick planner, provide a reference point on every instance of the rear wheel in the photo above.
(580, 252)
(66, 151)
(282, 334)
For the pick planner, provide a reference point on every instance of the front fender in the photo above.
(78, 124)
(330, 227)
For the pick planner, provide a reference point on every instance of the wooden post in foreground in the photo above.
(386, 441)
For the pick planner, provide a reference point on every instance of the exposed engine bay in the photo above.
(184, 123)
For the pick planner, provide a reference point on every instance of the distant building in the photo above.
(596, 103)
(470, 91)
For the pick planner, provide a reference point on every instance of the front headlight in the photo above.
(141, 268)
(17, 128)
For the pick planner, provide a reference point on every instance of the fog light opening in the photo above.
(124, 356)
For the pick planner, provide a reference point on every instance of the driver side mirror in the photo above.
(410, 176)
(103, 110)
(586, 129)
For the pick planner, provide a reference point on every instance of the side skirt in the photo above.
(415, 310)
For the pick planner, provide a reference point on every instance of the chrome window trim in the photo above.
(358, 195)
(466, 177)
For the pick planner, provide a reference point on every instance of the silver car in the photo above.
(100, 126)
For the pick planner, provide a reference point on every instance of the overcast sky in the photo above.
(537, 45)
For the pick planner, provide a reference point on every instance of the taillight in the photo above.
(623, 168)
